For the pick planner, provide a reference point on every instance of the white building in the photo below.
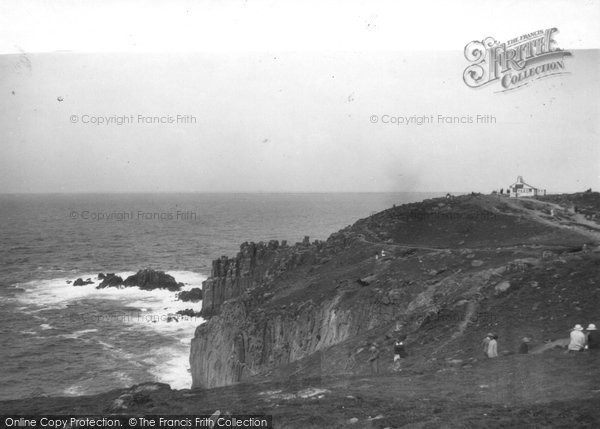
(522, 189)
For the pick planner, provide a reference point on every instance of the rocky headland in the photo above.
(305, 331)
(442, 271)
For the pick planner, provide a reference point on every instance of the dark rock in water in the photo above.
(193, 295)
(81, 282)
(69, 282)
(144, 279)
(189, 313)
(101, 276)
(110, 280)
(149, 279)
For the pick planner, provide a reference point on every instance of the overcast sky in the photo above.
(283, 97)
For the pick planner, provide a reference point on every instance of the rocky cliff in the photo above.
(254, 265)
(313, 308)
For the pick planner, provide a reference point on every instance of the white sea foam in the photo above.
(173, 368)
(56, 293)
(155, 310)
(75, 390)
(77, 334)
(90, 385)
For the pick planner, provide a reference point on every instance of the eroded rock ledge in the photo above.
(255, 263)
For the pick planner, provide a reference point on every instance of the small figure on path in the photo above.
(593, 338)
(486, 343)
(374, 358)
(524, 347)
(399, 353)
(492, 351)
(577, 343)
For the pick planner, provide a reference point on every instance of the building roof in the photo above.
(521, 182)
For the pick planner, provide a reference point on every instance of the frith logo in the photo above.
(515, 63)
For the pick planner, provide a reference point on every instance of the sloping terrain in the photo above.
(306, 332)
(549, 390)
(442, 271)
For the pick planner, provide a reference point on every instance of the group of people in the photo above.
(581, 339)
(490, 345)
(584, 339)
(399, 353)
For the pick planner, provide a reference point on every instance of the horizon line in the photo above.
(227, 192)
(263, 192)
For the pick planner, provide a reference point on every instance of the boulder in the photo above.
(149, 280)
(193, 295)
(81, 282)
(110, 280)
(188, 312)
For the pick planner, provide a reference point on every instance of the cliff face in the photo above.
(255, 264)
(247, 339)
(275, 306)
(261, 314)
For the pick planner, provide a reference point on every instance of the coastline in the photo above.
(387, 270)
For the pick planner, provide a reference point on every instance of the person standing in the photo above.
(593, 338)
(374, 358)
(492, 351)
(486, 343)
(577, 343)
(524, 347)
(399, 353)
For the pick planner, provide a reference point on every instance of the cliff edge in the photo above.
(442, 271)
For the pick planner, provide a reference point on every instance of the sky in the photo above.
(288, 97)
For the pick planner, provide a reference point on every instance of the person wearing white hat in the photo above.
(593, 338)
(492, 350)
(486, 343)
(577, 343)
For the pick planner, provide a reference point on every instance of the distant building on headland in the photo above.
(522, 189)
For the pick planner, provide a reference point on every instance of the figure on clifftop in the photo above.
(524, 347)
(577, 343)
(399, 352)
(374, 358)
(486, 343)
(492, 350)
(593, 338)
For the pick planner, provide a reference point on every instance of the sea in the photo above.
(57, 339)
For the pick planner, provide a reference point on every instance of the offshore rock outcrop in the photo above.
(146, 279)
(149, 279)
(312, 308)
(193, 295)
(109, 280)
